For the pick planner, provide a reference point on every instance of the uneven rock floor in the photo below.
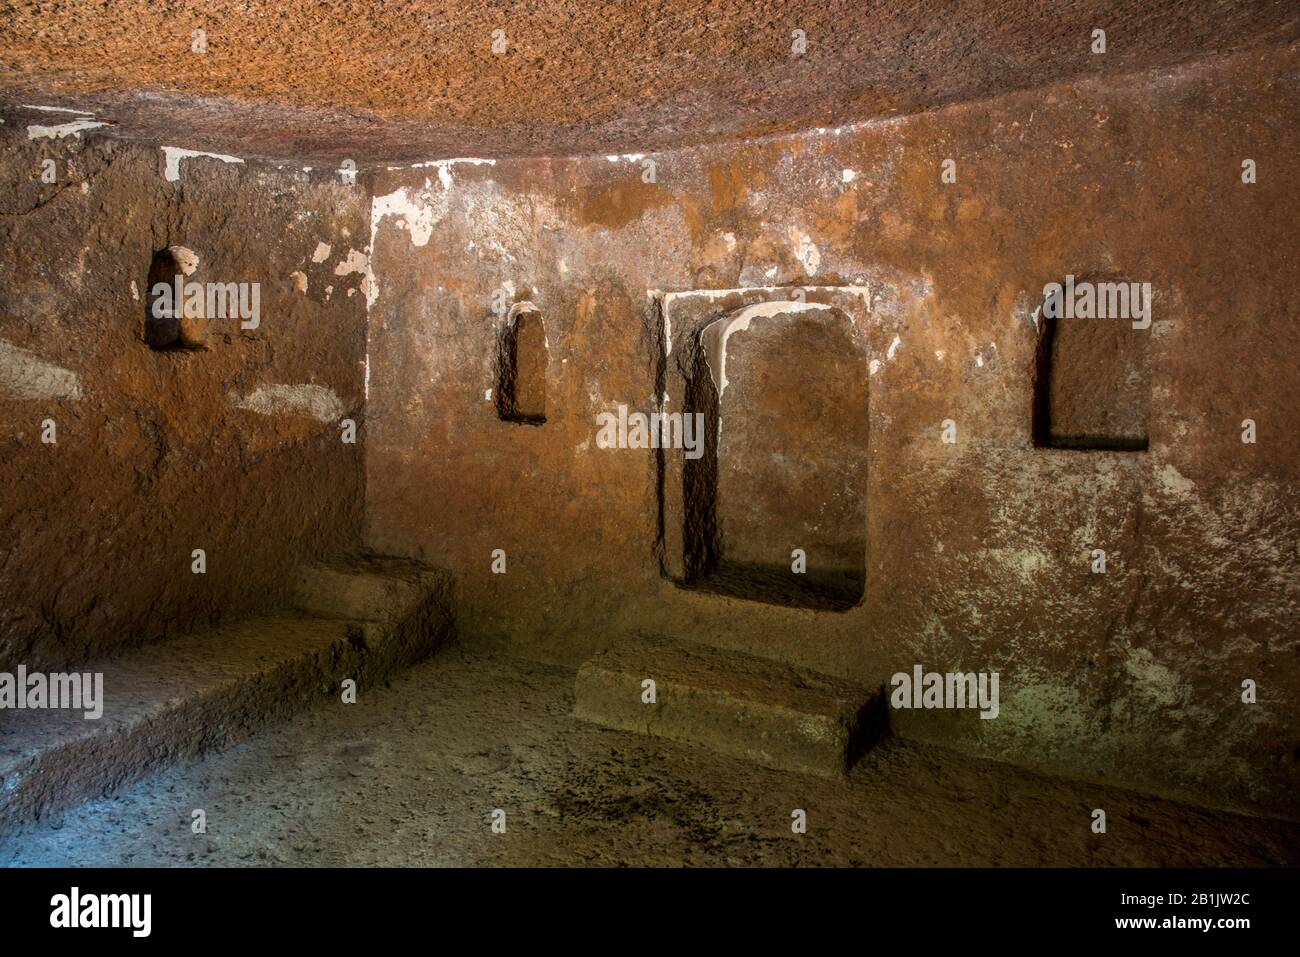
(411, 774)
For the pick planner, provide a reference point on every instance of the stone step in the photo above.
(171, 701)
(735, 703)
(385, 590)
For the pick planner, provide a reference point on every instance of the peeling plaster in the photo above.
(418, 218)
(668, 298)
(74, 129)
(356, 261)
(55, 109)
(805, 250)
(186, 259)
(174, 155)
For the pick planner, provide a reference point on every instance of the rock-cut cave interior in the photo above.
(682, 432)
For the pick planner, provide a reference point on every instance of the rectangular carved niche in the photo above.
(1092, 387)
(775, 508)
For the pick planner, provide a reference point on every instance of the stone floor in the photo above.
(411, 774)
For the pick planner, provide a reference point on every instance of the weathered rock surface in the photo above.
(119, 460)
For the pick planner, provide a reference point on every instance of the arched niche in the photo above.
(521, 383)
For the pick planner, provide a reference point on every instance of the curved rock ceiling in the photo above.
(405, 80)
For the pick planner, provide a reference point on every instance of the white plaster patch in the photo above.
(299, 280)
(862, 291)
(174, 155)
(187, 260)
(805, 250)
(58, 132)
(135, 291)
(467, 160)
(315, 401)
(848, 175)
(322, 252)
(25, 375)
(417, 218)
(443, 166)
(893, 348)
(356, 261)
(55, 109)
(669, 298)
